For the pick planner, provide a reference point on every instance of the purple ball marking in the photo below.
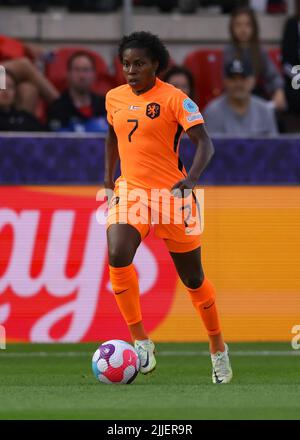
(106, 351)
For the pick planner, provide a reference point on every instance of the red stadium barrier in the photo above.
(54, 279)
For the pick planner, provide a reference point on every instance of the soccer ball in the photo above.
(115, 362)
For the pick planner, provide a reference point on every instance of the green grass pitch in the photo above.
(56, 382)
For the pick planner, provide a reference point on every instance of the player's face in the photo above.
(180, 81)
(242, 28)
(239, 87)
(81, 75)
(139, 70)
(8, 96)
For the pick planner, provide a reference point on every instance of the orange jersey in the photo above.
(148, 128)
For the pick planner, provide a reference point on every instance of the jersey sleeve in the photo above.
(109, 107)
(185, 110)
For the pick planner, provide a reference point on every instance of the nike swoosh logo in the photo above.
(216, 377)
(147, 361)
(208, 307)
(118, 293)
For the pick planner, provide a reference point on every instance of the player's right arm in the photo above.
(111, 157)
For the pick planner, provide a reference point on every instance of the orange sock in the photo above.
(126, 289)
(203, 299)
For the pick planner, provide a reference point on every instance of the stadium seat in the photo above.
(56, 69)
(10, 48)
(277, 7)
(119, 77)
(206, 66)
(275, 55)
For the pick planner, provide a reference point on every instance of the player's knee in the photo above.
(194, 281)
(118, 257)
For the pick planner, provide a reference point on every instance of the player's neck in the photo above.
(146, 89)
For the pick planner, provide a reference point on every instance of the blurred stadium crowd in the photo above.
(242, 88)
(183, 6)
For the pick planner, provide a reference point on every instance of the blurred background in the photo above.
(237, 60)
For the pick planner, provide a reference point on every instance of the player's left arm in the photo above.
(203, 155)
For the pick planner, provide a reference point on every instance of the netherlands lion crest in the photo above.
(153, 110)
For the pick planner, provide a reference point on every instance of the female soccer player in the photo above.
(146, 118)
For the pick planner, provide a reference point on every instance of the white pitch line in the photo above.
(236, 353)
(241, 353)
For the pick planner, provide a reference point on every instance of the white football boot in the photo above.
(222, 372)
(146, 350)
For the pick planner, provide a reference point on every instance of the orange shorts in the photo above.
(176, 220)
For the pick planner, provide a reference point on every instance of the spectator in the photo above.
(238, 112)
(12, 119)
(181, 78)
(19, 59)
(291, 58)
(245, 45)
(78, 108)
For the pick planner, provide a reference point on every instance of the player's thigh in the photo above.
(123, 241)
(189, 267)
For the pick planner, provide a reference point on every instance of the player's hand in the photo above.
(109, 191)
(109, 184)
(109, 188)
(183, 187)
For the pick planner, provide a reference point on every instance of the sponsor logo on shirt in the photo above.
(195, 117)
(153, 110)
(190, 106)
(134, 107)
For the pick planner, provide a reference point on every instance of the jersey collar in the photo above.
(157, 84)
